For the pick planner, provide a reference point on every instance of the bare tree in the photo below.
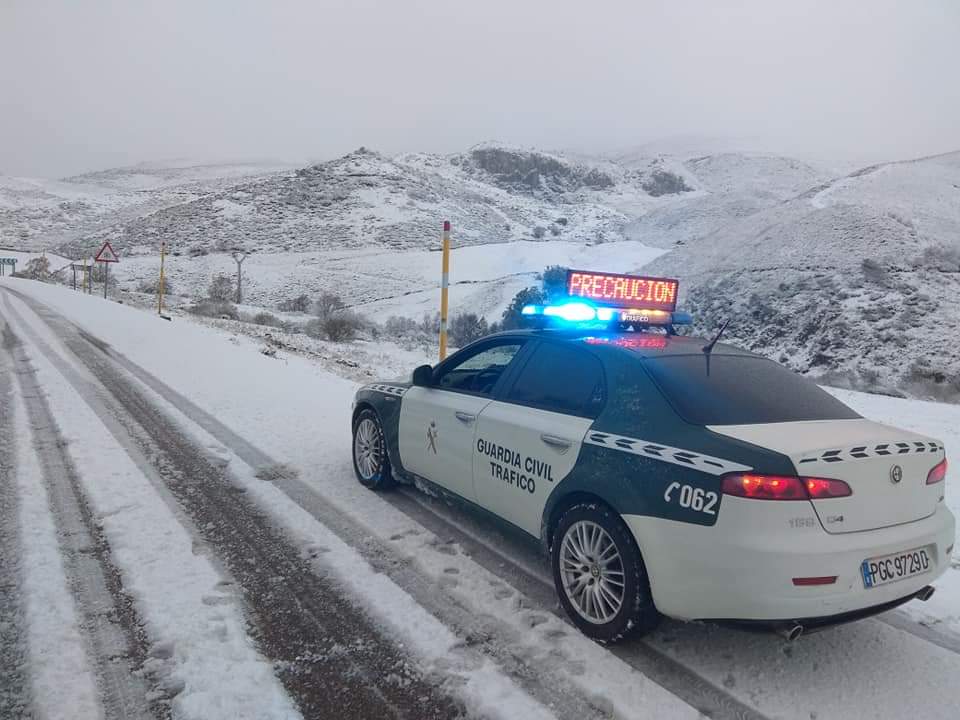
(326, 305)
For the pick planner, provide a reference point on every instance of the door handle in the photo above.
(464, 417)
(558, 443)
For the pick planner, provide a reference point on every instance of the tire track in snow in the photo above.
(106, 616)
(13, 699)
(329, 655)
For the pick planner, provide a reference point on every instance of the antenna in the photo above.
(708, 348)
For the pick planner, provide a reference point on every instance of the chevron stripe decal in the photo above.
(665, 453)
(870, 451)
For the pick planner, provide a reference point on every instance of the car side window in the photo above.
(478, 373)
(562, 379)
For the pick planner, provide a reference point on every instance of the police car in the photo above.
(667, 474)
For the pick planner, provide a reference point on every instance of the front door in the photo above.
(530, 439)
(438, 423)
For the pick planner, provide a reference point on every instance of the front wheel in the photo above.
(600, 576)
(370, 461)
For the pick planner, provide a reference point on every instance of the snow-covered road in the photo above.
(251, 576)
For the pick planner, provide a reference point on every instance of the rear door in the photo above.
(529, 438)
(438, 423)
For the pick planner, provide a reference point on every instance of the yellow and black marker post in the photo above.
(444, 282)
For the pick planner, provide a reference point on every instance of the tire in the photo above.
(371, 464)
(586, 533)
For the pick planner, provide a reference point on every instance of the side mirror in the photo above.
(423, 376)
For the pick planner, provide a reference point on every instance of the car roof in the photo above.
(643, 344)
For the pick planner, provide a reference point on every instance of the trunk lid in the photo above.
(865, 455)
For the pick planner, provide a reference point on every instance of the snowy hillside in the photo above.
(856, 280)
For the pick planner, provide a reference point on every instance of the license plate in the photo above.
(897, 566)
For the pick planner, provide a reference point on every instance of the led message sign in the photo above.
(624, 291)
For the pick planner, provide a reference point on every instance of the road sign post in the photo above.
(4, 262)
(106, 256)
(444, 282)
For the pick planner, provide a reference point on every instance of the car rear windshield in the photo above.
(741, 390)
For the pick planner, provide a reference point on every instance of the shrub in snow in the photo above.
(215, 309)
(301, 303)
(221, 288)
(149, 287)
(338, 327)
(314, 329)
(467, 327)
(401, 327)
(265, 318)
(326, 305)
(539, 231)
(661, 182)
(430, 324)
(342, 326)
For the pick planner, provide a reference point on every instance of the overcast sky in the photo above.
(92, 84)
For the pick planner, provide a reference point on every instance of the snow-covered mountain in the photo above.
(850, 275)
(364, 199)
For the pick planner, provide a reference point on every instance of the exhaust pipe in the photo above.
(790, 632)
(925, 593)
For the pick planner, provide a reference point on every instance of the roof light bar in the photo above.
(581, 312)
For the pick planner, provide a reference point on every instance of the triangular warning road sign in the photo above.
(106, 254)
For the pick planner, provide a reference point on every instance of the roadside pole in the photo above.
(444, 282)
(160, 286)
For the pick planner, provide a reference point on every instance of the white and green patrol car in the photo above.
(669, 475)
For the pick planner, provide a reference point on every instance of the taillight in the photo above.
(764, 487)
(782, 487)
(820, 488)
(938, 473)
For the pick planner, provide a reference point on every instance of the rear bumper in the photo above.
(742, 568)
(813, 624)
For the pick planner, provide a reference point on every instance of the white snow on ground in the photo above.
(230, 209)
(299, 413)
(64, 685)
(200, 646)
(381, 283)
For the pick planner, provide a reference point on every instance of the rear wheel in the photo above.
(370, 461)
(600, 576)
